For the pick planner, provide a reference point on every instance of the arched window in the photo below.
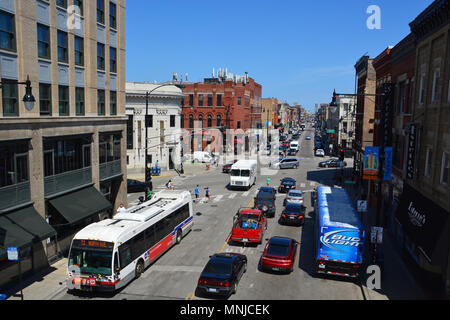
(209, 121)
(182, 121)
(219, 121)
(191, 121)
(200, 120)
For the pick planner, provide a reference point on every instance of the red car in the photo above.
(285, 143)
(227, 167)
(249, 226)
(279, 254)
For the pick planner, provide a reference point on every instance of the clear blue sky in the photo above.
(298, 50)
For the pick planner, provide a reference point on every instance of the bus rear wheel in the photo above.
(179, 236)
(139, 269)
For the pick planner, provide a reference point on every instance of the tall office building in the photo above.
(62, 163)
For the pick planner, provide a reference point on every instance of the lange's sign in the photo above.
(411, 151)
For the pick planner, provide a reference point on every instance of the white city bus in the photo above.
(107, 255)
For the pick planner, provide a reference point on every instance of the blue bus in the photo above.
(339, 235)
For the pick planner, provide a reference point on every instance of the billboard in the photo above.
(371, 163)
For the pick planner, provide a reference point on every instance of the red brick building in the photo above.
(223, 102)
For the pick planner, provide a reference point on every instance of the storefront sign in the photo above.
(411, 151)
(371, 163)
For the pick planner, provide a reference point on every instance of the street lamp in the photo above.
(28, 98)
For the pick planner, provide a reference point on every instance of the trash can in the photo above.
(156, 171)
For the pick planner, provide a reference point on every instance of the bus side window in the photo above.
(116, 262)
(125, 255)
(150, 237)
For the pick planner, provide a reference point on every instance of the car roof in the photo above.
(293, 205)
(295, 191)
(288, 179)
(280, 241)
(226, 257)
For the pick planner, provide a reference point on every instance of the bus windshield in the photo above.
(91, 261)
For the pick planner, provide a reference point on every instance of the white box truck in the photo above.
(243, 174)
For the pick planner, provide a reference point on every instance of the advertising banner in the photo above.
(387, 163)
(371, 163)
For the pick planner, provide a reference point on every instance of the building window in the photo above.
(79, 101)
(182, 121)
(149, 121)
(79, 4)
(238, 125)
(191, 121)
(62, 47)
(112, 15)
(101, 102)
(100, 56)
(219, 121)
(63, 94)
(61, 3)
(210, 100)
(200, 100)
(45, 99)
(10, 99)
(101, 11)
(436, 82)
(43, 35)
(109, 147)
(219, 100)
(200, 121)
(239, 101)
(112, 59)
(191, 100)
(113, 103)
(7, 32)
(79, 51)
(401, 97)
(13, 163)
(172, 121)
(428, 160)
(422, 89)
(445, 168)
(130, 132)
(209, 121)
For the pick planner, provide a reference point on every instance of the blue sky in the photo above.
(297, 50)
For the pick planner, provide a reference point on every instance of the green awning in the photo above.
(22, 228)
(81, 204)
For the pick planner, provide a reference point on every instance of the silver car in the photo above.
(294, 196)
(286, 163)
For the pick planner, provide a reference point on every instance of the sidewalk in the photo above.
(190, 169)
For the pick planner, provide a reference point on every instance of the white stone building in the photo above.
(164, 109)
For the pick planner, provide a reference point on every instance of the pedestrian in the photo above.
(268, 182)
(197, 193)
(169, 185)
(121, 208)
(148, 194)
(156, 164)
(207, 194)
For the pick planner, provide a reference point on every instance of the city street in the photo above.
(174, 275)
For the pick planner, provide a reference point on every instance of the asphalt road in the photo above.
(174, 275)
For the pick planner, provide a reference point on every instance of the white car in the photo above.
(320, 153)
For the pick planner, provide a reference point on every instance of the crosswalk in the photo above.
(224, 197)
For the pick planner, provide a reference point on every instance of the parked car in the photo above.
(279, 254)
(286, 163)
(292, 152)
(248, 226)
(320, 153)
(332, 163)
(308, 137)
(135, 186)
(286, 184)
(293, 214)
(222, 274)
(265, 201)
(227, 167)
(294, 196)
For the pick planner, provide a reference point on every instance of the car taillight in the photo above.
(356, 266)
(283, 215)
(287, 198)
(300, 217)
(302, 199)
(273, 207)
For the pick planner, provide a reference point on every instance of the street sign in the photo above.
(350, 182)
(376, 235)
(331, 131)
(13, 254)
(362, 205)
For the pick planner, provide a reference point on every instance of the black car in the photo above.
(286, 184)
(135, 186)
(222, 274)
(292, 152)
(293, 214)
(332, 163)
(265, 201)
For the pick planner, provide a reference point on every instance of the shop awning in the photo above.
(424, 222)
(21, 228)
(81, 204)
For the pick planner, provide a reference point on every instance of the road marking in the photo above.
(312, 184)
(302, 185)
(218, 198)
(232, 196)
(245, 193)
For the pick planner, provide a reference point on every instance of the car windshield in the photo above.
(217, 266)
(245, 173)
(91, 261)
(278, 250)
(295, 194)
(288, 182)
(235, 173)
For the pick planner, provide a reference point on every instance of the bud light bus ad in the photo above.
(339, 234)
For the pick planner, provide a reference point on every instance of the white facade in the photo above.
(164, 106)
(347, 120)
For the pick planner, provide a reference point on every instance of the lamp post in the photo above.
(147, 96)
(28, 98)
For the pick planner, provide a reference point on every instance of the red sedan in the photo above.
(279, 254)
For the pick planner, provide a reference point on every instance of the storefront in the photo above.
(425, 226)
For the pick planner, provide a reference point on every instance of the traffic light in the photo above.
(148, 175)
(341, 154)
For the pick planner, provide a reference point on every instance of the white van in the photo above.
(294, 145)
(243, 174)
(203, 156)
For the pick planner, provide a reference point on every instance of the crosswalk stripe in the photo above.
(232, 196)
(302, 185)
(218, 198)
(245, 193)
